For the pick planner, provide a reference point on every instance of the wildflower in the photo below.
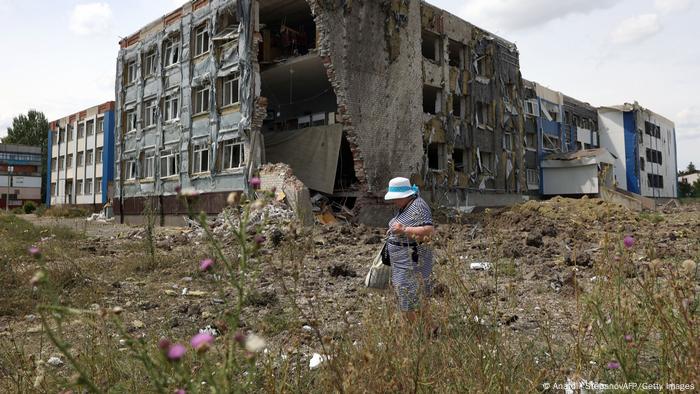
(259, 239)
(254, 343)
(163, 344)
(613, 365)
(38, 278)
(176, 352)
(34, 252)
(180, 391)
(628, 241)
(201, 341)
(255, 182)
(206, 264)
(239, 337)
(234, 198)
(628, 338)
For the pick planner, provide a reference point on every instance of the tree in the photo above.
(696, 188)
(691, 168)
(31, 129)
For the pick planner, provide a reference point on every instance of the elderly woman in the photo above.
(411, 260)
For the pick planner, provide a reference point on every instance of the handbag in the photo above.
(379, 273)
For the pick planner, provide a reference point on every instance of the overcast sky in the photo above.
(59, 56)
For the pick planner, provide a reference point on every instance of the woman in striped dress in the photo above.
(411, 259)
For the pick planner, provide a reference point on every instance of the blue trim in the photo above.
(107, 154)
(401, 189)
(47, 201)
(631, 152)
(675, 170)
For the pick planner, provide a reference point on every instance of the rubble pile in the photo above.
(272, 217)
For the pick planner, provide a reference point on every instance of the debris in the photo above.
(316, 360)
(138, 324)
(307, 328)
(480, 266)
(341, 270)
(534, 239)
(211, 330)
(55, 362)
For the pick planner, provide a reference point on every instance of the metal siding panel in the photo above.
(631, 154)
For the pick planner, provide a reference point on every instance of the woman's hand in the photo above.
(398, 228)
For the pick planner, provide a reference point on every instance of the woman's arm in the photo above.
(419, 233)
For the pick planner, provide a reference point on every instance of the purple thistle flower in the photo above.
(255, 182)
(34, 251)
(206, 264)
(176, 352)
(178, 189)
(164, 344)
(180, 391)
(629, 241)
(613, 365)
(201, 341)
(628, 338)
(240, 337)
(259, 239)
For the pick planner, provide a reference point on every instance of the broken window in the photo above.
(98, 156)
(130, 120)
(483, 112)
(652, 129)
(457, 107)
(481, 66)
(508, 141)
(148, 160)
(287, 31)
(458, 159)
(436, 156)
(130, 169)
(456, 54)
(200, 158)
(171, 106)
(69, 161)
(130, 72)
(61, 160)
(61, 136)
(432, 100)
(53, 189)
(227, 27)
(53, 163)
(79, 187)
(150, 111)
(201, 100)
(88, 157)
(641, 163)
(487, 162)
(171, 51)
(532, 108)
(431, 47)
(81, 130)
(90, 127)
(655, 181)
(533, 177)
(169, 163)
(80, 159)
(551, 143)
(201, 39)
(233, 156)
(98, 185)
(149, 63)
(531, 141)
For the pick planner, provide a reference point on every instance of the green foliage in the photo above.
(29, 207)
(31, 129)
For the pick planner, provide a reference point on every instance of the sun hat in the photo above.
(400, 188)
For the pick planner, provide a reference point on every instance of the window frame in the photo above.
(165, 158)
(171, 51)
(98, 155)
(149, 63)
(150, 113)
(198, 158)
(227, 149)
(201, 37)
(131, 124)
(230, 85)
(200, 99)
(131, 71)
(130, 170)
(171, 103)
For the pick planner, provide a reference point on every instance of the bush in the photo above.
(17, 211)
(66, 212)
(29, 207)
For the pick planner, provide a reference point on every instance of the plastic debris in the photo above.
(480, 265)
(55, 362)
(316, 361)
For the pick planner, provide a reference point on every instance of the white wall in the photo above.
(570, 180)
(666, 145)
(612, 137)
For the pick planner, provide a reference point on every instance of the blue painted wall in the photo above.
(631, 153)
(47, 202)
(107, 154)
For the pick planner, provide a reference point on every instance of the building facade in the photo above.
(80, 164)
(20, 175)
(209, 92)
(645, 146)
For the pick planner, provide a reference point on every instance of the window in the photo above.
(200, 158)
(79, 187)
(148, 160)
(531, 107)
(98, 185)
(88, 186)
(88, 157)
(130, 120)
(233, 155)
(641, 163)
(130, 169)
(533, 177)
(480, 66)
(436, 156)
(149, 63)
(654, 156)
(201, 40)
(61, 136)
(69, 161)
(131, 72)
(54, 137)
(230, 90)
(69, 134)
(100, 125)
(531, 141)
(81, 130)
(98, 156)
(53, 164)
(171, 52)
(150, 112)
(169, 164)
(655, 181)
(483, 110)
(90, 127)
(172, 107)
(487, 162)
(457, 106)
(432, 100)
(80, 159)
(456, 54)
(458, 159)
(652, 129)
(201, 100)
(508, 141)
(53, 188)
(431, 47)
(60, 162)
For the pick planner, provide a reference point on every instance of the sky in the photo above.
(59, 56)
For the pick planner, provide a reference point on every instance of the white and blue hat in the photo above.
(400, 188)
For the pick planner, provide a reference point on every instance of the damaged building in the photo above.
(348, 93)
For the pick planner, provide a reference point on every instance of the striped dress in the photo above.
(411, 262)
